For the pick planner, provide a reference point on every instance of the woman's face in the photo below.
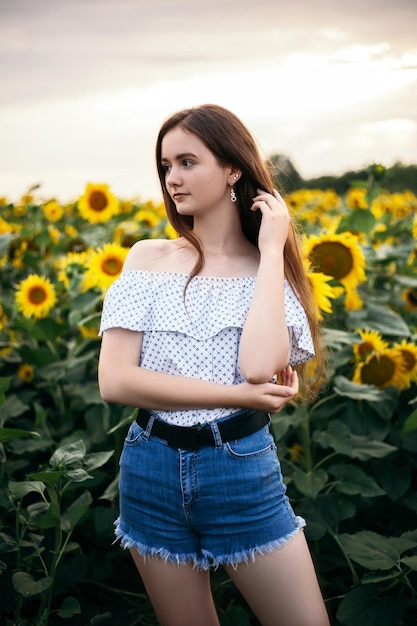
(194, 178)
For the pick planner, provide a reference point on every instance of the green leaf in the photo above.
(310, 483)
(112, 490)
(281, 422)
(364, 448)
(75, 511)
(48, 476)
(4, 386)
(353, 481)
(235, 616)
(7, 543)
(78, 475)
(362, 607)
(359, 221)
(69, 607)
(128, 420)
(51, 518)
(5, 241)
(334, 338)
(324, 514)
(410, 561)
(27, 586)
(381, 318)
(46, 329)
(410, 423)
(8, 434)
(68, 455)
(12, 407)
(96, 459)
(21, 489)
(394, 478)
(373, 551)
(345, 387)
(337, 436)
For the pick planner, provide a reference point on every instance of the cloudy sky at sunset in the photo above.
(85, 84)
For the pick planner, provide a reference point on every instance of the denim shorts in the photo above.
(218, 505)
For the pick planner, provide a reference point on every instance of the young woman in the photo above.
(200, 332)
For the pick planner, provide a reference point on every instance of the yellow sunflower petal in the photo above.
(372, 341)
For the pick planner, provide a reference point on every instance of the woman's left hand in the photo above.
(275, 223)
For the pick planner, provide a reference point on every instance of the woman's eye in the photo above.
(187, 163)
(166, 167)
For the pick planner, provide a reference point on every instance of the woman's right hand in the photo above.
(271, 397)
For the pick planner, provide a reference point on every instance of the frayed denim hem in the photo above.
(196, 560)
(245, 556)
(205, 560)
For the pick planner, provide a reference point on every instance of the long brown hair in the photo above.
(232, 144)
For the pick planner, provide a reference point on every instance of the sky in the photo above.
(86, 84)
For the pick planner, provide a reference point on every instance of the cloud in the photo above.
(86, 83)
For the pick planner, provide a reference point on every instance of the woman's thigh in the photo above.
(180, 594)
(281, 586)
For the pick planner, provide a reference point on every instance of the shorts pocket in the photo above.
(134, 435)
(255, 445)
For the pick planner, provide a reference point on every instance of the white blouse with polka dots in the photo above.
(198, 336)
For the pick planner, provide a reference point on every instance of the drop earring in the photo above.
(233, 195)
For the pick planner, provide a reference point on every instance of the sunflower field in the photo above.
(349, 459)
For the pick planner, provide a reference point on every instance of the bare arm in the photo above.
(122, 380)
(264, 345)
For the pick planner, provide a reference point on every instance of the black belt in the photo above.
(237, 426)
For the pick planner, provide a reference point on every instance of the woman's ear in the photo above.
(235, 174)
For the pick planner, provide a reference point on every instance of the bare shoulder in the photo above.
(157, 255)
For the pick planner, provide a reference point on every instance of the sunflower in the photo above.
(97, 204)
(53, 211)
(25, 373)
(71, 231)
(170, 231)
(371, 342)
(353, 301)
(88, 332)
(105, 265)
(35, 296)
(382, 369)
(338, 256)
(3, 318)
(356, 198)
(54, 234)
(409, 353)
(296, 452)
(322, 292)
(409, 296)
(70, 265)
(147, 218)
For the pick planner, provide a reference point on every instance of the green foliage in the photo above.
(349, 458)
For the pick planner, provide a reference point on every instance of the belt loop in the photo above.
(216, 434)
(149, 425)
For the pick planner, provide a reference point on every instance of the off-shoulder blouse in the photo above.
(198, 336)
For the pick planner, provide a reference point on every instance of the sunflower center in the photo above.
(111, 266)
(412, 297)
(37, 295)
(365, 348)
(378, 371)
(332, 258)
(98, 201)
(409, 360)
